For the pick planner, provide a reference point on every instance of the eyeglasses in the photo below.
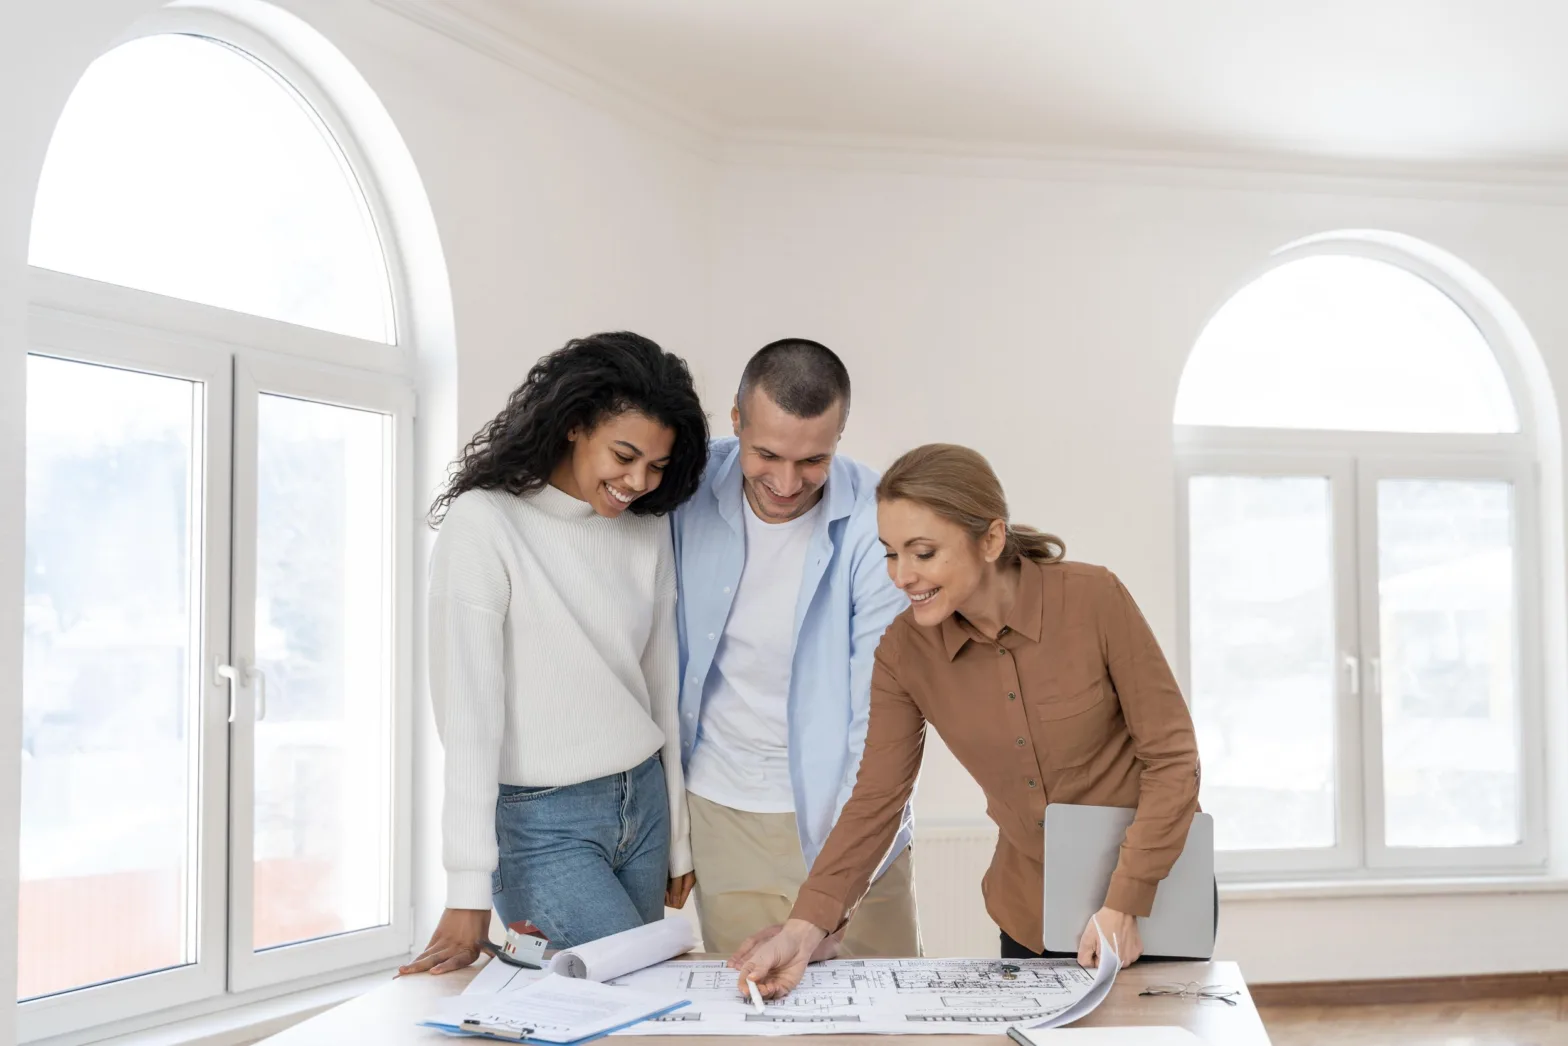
(1194, 990)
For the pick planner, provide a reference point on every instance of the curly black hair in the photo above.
(579, 385)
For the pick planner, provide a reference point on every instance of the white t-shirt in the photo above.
(742, 757)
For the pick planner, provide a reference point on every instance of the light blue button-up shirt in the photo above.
(846, 602)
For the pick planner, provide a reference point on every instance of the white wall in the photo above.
(1043, 316)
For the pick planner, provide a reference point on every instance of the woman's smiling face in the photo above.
(932, 560)
(615, 463)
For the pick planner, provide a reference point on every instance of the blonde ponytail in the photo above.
(1032, 544)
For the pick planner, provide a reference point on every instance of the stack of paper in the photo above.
(555, 1011)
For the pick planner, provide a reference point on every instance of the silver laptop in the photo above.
(1081, 847)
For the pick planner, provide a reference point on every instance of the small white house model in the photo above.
(526, 947)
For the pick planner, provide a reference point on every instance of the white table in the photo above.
(387, 1016)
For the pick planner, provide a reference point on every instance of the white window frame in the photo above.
(1339, 471)
(79, 319)
(1353, 462)
(1529, 854)
(258, 373)
(80, 339)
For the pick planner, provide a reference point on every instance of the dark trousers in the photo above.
(1011, 949)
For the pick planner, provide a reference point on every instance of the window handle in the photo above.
(257, 678)
(1353, 674)
(226, 674)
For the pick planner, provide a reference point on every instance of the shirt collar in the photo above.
(728, 494)
(1026, 617)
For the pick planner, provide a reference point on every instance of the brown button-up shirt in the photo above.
(1071, 703)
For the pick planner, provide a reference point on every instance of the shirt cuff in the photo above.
(680, 857)
(824, 912)
(468, 890)
(1130, 896)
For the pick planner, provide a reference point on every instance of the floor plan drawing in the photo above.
(879, 996)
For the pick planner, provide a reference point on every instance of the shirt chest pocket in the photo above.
(1074, 728)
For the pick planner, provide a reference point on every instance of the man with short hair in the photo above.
(784, 594)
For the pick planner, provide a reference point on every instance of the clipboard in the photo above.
(502, 1033)
(551, 1011)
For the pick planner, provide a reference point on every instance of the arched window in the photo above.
(232, 195)
(218, 559)
(1347, 343)
(1359, 620)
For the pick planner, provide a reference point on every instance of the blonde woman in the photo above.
(1043, 679)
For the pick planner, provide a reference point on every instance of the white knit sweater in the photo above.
(553, 661)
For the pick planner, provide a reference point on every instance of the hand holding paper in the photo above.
(1104, 976)
(1119, 928)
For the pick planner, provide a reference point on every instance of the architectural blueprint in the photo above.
(880, 996)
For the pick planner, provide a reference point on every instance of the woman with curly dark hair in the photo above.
(553, 657)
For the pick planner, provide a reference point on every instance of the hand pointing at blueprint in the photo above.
(886, 996)
(777, 963)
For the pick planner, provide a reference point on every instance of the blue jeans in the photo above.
(587, 860)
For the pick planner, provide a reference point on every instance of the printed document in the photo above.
(553, 1009)
(883, 996)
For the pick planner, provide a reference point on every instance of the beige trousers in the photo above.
(749, 868)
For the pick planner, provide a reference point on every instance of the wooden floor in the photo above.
(1538, 1021)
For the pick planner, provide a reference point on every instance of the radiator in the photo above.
(950, 858)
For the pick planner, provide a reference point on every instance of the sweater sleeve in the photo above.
(469, 594)
(661, 669)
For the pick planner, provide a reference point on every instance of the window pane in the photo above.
(1342, 342)
(1263, 655)
(323, 614)
(110, 675)
(181, 166)
(1450, 695)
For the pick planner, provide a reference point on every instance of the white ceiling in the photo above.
(1474, 81)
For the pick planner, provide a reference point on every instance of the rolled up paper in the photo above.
(621, 953)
